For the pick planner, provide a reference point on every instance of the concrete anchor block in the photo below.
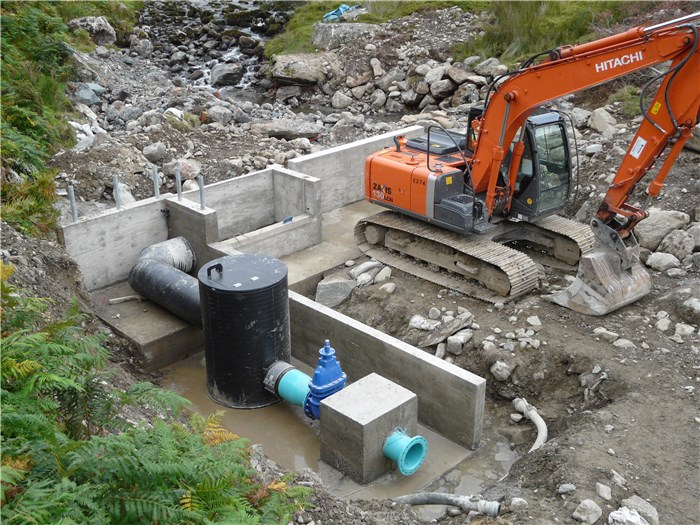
(356, 421)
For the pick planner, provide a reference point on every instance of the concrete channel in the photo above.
(304, 215)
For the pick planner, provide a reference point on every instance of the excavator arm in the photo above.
(670, 118)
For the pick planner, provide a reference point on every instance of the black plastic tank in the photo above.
(245, 316)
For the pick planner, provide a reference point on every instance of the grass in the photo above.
(36, 64)
(522, 29)
(298, 32)
(628, 95)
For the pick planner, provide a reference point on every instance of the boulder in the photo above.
(694, 232)
(394, 106)
(662, 261)
(155, 152)
(101, 32)
(501, 370)
(587, 512)
(652, 230)
(477, 80)
(85, 95)
(466, 94)
(304, 68)
(643, 507)
(435, 74)
(143, 47)
(690, 310)
(340, 100)
(284, 93)
(459, 73)
(226, 74)
(377, 99)
(442, 88)
(678, 243)
(334, 290)
(219, 114)
(388, 79)
(287, 129)
(600, 120)
(487, 67)
(580, 117)
(377, 69)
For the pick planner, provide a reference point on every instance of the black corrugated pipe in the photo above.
(160, 276)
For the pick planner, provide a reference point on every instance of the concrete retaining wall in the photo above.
(341, 169)
(106, 246)
(450, 399)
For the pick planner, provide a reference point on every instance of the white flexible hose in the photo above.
(466, 503)
(530, 412)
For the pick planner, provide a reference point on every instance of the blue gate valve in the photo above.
(328, 379)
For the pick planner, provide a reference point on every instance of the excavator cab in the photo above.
(543, 183)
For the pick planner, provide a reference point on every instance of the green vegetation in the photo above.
(68, 458)
(522, 29)
(298, 32)
(36, 64)
(629, 97)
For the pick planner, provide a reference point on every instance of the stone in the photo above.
(652, 230)
(332, 36)
(421, 323)
(457, 341)
(663, 324)
(155, 152)
(189, 168)
(85, 95)
(487, 67)
(435, 74)
(617, 478)
(517, 504)
(219, 114)
(690, 310)
(684, 330)
(678, 243)
(592, 149)
(367, 278)
(605, 334)
(533, 320)
(377, 99)
(600, 120)
(580, 117)
(394, 106)
(587, 512)
(333, 291)
(516, 417)
(388, 288)
(383, 275)
(226, 74)
(440, 351)
(102, 52)
(304, 68)
(643, 507)
(566, 488)
(434, 313)
(377, 69)
(501, 370)
(287, 128)
(459, 73)
(143, 47)
(340, 100)
(388, 79)
(284, 93)
(362, 268)
(125, 195)
(442, 88)
(624, 344)
(662, 261)
(101, 32)
(603, 491)
(465, 94)
(694, 232)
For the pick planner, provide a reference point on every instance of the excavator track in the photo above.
(474, 265)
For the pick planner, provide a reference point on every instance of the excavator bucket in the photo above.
(605, 282)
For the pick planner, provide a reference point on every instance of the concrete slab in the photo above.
(337, 246)
(356, 421)
(162, 338)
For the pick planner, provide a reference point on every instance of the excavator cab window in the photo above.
(544, 176)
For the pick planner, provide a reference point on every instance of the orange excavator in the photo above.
(478, 194)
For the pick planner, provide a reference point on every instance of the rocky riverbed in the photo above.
(191, 90)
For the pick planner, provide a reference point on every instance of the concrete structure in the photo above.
(356, 421)
(252, 214)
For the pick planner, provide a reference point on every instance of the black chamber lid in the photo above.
(242, 272)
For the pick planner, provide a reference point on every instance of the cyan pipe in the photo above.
(293, 387)
(407, 452)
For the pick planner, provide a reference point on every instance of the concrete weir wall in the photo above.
(450, 399)
(276, 211)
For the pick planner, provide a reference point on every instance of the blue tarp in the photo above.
(335, 15)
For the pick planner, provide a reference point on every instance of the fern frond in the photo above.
(147, 395)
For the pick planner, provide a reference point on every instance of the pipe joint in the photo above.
(407, 452)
